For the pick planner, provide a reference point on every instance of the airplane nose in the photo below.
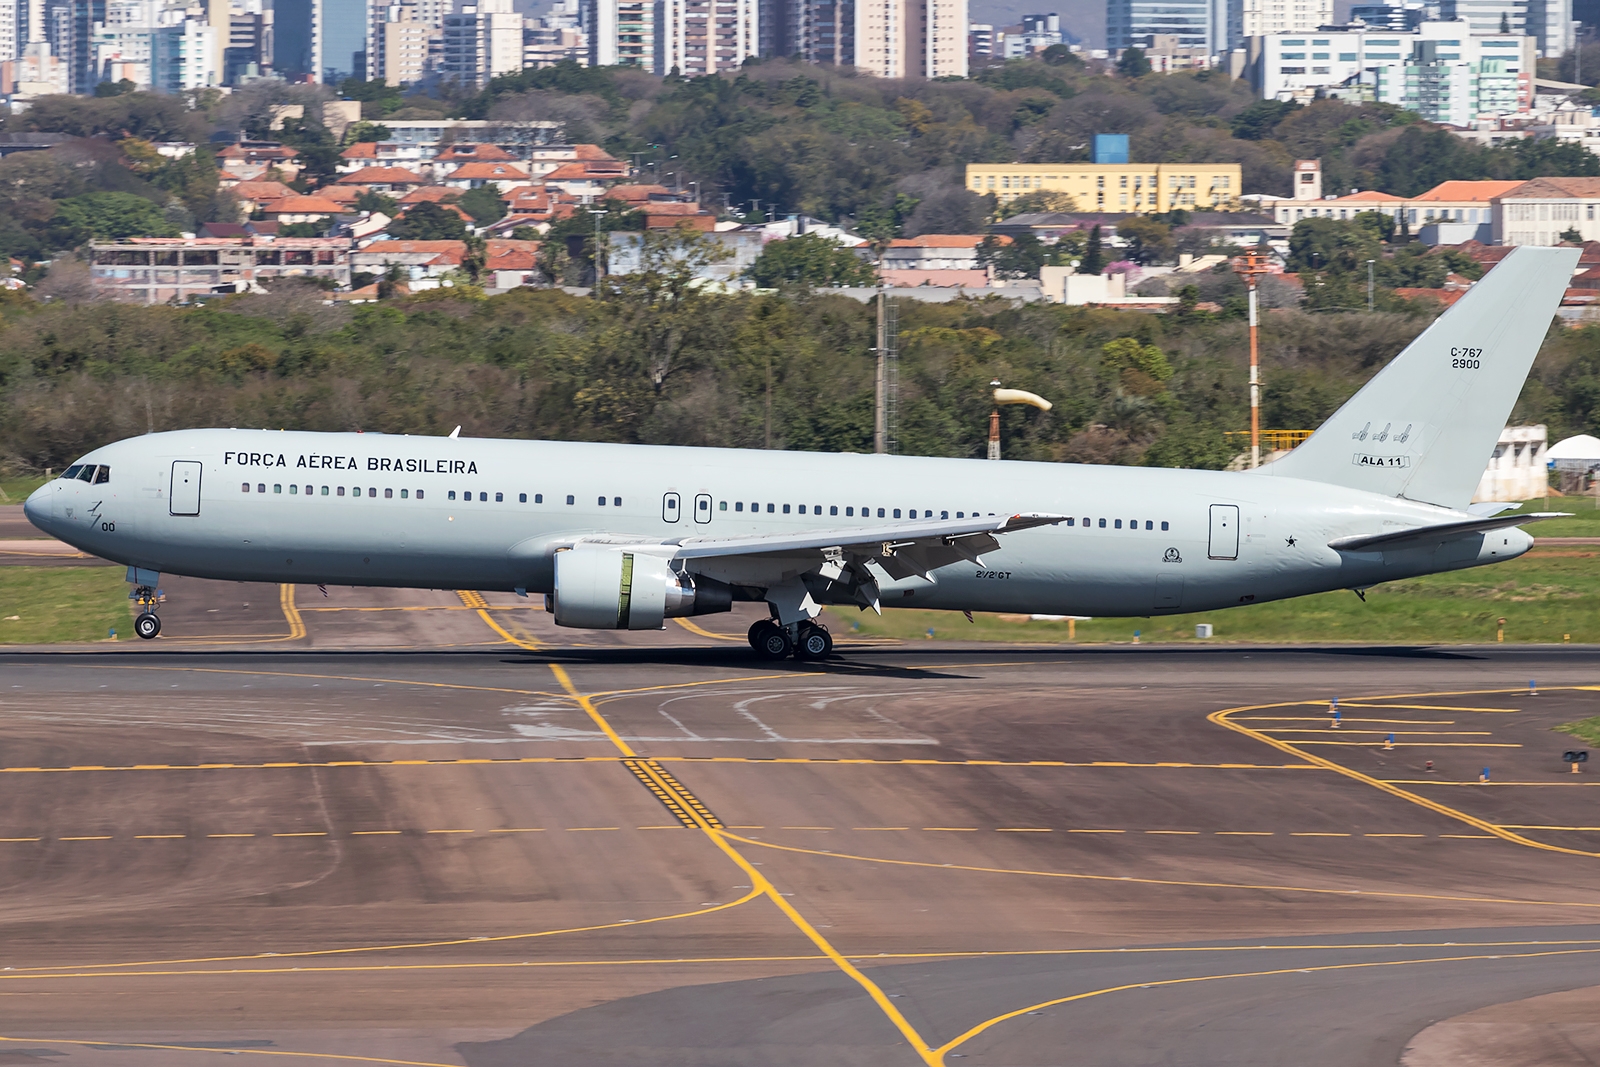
(40, 508)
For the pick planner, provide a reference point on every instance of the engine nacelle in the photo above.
(608, 587)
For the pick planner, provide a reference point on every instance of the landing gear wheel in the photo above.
(815, 642)
(147, 625)
(773, 643)
(758, 630)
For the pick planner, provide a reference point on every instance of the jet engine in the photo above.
(609, 587)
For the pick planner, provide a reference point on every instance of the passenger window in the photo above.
(388, 494)
(769, 509)
(277, 489)
(961, 514)
(522, 498)
(602, 501)
(1119, 524)
(738, 505)
(802, 509)
(616, 501)
(499, 498)
(785, 509)
(324, 490)
(102, 476)
(294, 490)
(833, 509)
(880, 513)
(405, 494)
(1072, 522)
(339, 491)
(244, 487)
(722, 505)
(571, 499)
(538, 498)
(850, 512)
(897, 513)
(419, 494)
(1163, 526)
(483, 497)
(261, 487)
(1102, 524)
(1086, 521)
(1148, 525)
(451, 495)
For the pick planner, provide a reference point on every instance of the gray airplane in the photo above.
(626, 536)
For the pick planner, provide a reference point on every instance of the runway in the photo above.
(431, 828)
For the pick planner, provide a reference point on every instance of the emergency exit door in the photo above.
(183, 497)
(1224, 531)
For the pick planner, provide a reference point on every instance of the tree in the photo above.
(429, 222)
(483, 204)
(1571, 235)
(367, 131)
(1043, 201)
(377, 97)
(377, 202)
(567, 254)
(1094, 256)
(1139, 369)
(1059, 55)
(121, 87)
(1132, 63)
(1149, 241)
(1505, 23)
(810, 260)
(1334, 245)
(1258, 121)
(107, 216)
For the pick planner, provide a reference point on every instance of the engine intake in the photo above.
(605, 587)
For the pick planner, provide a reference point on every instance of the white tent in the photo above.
(1575, 453)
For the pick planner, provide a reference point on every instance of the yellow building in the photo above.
(1141, 187)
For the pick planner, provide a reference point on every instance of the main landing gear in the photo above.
(147, 624)
(804, 640)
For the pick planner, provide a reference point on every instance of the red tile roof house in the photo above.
(424, 261)
(936, 259)
(391, 180)
(503, 176)
(301, 209)
(511, 263)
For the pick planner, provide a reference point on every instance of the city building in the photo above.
(699, 37)
(1257, 18)
(1538, 212)
(1517, 469)
(181, 57)
(399, 46)
(1130, 187)
(555, 37)
(482, 40)
(246, 56)
(622, 33)
(1165, 54)
(160, 270)
(415, 142)
(937, 259)
(1548, 22)
(297, 39)
(984, 44)
(1394, 18)
(34, 73)
(1129, 23)
(1442, 71)
(1038, 33)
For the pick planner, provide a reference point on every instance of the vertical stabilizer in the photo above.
(1425, 426)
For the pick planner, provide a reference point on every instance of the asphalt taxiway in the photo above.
(432, 828)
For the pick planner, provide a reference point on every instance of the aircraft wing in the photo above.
(1443, 531)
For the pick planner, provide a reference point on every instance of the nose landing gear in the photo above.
(806, 640)
(147, 624)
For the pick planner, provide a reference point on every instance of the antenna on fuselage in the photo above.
(455, 433)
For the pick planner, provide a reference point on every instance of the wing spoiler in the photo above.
(1443, 531)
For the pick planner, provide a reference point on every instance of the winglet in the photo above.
(455, 433)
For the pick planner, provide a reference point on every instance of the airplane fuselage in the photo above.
(387, 510)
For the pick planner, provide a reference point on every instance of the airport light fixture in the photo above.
(1250, 267)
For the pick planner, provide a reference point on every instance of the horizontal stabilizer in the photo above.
(1417, 536)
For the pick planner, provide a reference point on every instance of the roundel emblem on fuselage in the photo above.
(1172, 556)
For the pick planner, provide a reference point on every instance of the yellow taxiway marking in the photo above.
(473, 599)
(101, 838)
(944, 1050)
(808, 829)
(689, 809)
(1376, 894)
(1244, 833)
(699, 632)
(297, 625)
(1224, 718)
(230, 835)
(1429, 707)
(101, 1042)
(1380, 733)
(159, 837)
(1480, 785)
(1581, 829)
(372, 833)
(1346, 718)
(1410, 744)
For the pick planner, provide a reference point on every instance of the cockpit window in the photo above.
(87, 473)
(72, 471)
(102, 475)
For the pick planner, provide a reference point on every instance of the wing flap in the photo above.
(1437, 532)
(973, 535)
